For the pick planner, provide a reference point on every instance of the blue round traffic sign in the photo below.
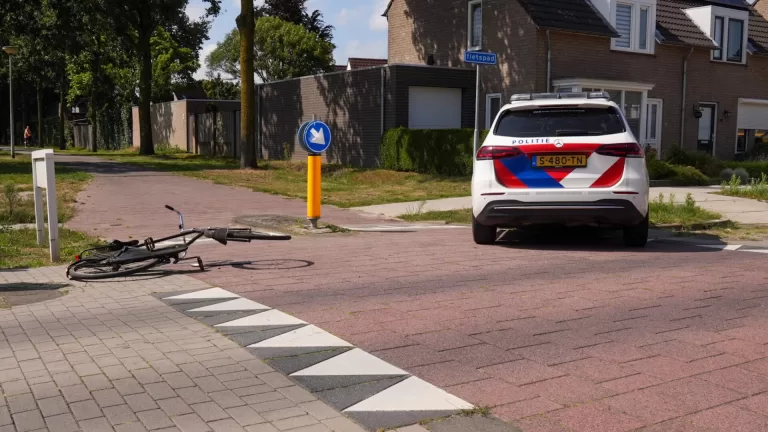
(316, 136)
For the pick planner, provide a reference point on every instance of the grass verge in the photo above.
(756, 189)
(342, 186)
(663, 211)
(19, 249)
(17, 203)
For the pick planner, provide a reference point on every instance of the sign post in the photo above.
(478, 58)
(44, 177)
(315, 138)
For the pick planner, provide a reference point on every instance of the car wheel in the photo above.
(636, 235)
(483, 234)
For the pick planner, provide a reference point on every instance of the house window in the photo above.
(746, 137)
(735, 40)
(475, 24)
(717, 53)
(634, 21)
(492, 107)
(729, 35)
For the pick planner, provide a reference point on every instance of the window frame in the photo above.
(470, 28)
(488, 119)
(723, 56)
(635, 33)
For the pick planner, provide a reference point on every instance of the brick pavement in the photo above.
(582, 336)
(109, 356)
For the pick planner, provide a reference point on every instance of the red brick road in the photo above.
(585, 336)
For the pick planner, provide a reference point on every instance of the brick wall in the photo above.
(418, 28)
(350, 103)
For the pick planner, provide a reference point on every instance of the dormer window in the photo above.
(635, 22)
(475, 41)
(728, 30)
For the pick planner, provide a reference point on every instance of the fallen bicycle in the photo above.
(119, 258)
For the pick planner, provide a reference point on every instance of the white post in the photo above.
(53, 215)
(44, 177)
(38, 193)
(477, 111)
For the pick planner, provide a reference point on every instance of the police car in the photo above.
(560, 158)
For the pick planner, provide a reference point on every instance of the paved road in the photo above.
(571, 333)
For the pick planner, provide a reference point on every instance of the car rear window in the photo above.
(568, 121)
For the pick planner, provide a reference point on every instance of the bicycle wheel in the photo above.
(94, 270)
(256, 235)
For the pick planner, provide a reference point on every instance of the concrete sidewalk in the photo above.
(111, 357)
(740, 210)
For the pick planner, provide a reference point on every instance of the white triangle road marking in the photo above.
(728, 247)
(238, 304)
(352, 362)
(412, 394)
(210, 293)
(269, 318)
(307, 336)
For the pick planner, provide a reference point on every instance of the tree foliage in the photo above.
(219, 89)
(305, 51)
(284, 50)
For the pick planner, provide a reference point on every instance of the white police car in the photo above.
(560, 158)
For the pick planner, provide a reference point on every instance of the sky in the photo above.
(359, 28)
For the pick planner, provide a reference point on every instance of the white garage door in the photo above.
(434, 108)
(753, 114)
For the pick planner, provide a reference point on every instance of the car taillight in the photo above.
(77, 257)
(492, 152)
(626, 150)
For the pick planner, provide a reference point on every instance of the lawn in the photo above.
(16, 202)
(342, 186)
(19, 249)
(756, 189)
(663, 211)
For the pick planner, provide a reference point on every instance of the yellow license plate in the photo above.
(560, 161)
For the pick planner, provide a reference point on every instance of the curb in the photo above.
(696, 226)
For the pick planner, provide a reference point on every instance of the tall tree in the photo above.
(285, 50)
(136, 21)
(225, 58)
(295, 12)
(282, 50)
(245, 25)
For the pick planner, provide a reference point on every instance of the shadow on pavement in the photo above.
(601, 240)
(18, 294)
(273, 264)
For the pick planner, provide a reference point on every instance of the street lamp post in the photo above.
(11, 51)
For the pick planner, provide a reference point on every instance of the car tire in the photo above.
(483, 234)
(636, 236)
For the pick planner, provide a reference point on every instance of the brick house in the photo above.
(684, 71)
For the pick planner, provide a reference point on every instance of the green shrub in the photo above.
(742, 175)
(688, 176)
(445, 152)
(704, 162)
(657, 169)
(726, 174)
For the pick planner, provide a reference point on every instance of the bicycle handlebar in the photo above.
(170, 208)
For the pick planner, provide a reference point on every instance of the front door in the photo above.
(653, 124)
(706, 139)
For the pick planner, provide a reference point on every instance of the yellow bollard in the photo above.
(314, 183)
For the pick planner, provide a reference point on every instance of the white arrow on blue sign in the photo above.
(477, 57)
(316, 136)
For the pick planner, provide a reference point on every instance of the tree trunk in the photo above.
(62, 113)
(93, 108)
(147, 147)
(40, 142)
(245, 24)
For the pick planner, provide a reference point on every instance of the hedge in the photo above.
(756, 169)
(446, 152)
